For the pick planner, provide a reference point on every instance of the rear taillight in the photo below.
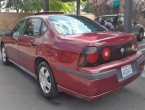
(92, 58)
(134, 46)
(81, 61)
(106, 54)
(88, 57)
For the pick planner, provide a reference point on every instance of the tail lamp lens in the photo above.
(134, 46)
(89, 56)
(81, 60)
(92, 58)
(106, 54)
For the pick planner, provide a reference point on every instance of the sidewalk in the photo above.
(143, 74)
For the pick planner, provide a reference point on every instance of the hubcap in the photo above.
(4, 54)
(45, 80)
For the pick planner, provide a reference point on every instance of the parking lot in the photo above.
(19, 91)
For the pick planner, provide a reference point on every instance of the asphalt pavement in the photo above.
(19, 91)
(141, 46)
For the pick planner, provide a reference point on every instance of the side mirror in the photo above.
(9, 33)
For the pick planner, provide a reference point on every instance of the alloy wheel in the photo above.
(45, 79)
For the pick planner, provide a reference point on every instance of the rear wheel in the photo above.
(46, 80)
(141, 35)
(4, 55)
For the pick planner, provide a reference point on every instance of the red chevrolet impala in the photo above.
(73, 54)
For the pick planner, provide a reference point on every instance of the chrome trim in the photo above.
(24, 69)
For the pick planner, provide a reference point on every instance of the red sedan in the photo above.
(73, 54)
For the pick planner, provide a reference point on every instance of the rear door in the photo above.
(28, 43)
(12, 41)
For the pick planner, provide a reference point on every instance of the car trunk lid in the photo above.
(120, 44)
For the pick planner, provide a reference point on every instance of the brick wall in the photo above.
(89, 15)
(9, 20)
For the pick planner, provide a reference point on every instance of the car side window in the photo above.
(121, 20)
(110, 19)
(19, 29)
(98, 20)
(44, 28)
(33, 27)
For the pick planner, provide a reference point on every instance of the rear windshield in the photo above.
(70, 25)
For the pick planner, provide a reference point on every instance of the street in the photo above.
(141, 46)
(19, 91)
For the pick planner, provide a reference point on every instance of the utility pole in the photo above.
(78, 7)
(46, 5)
(128, 16)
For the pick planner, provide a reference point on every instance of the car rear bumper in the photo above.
(94, 82)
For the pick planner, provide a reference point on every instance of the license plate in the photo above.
(126, 70)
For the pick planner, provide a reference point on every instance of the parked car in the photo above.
(72, 54)
(118, 22)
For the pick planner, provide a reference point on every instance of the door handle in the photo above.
(16, 41)
(33, 43)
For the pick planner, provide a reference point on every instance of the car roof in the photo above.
(45, 16)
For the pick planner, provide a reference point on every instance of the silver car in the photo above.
(118, 23)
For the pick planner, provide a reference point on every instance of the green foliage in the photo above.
(37, 5)
(58, 5)
(13, 4)
(32, 5)
(88, 7)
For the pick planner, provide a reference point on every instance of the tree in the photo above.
(88, 7)
(58, 5)
(46, 5)
(17, 5)
(32, 5)
(13, 4)
(38, 5)
(101, 7)
(138, 8)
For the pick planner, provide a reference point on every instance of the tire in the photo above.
(46, 81)
(4, 55)
(141, 35)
